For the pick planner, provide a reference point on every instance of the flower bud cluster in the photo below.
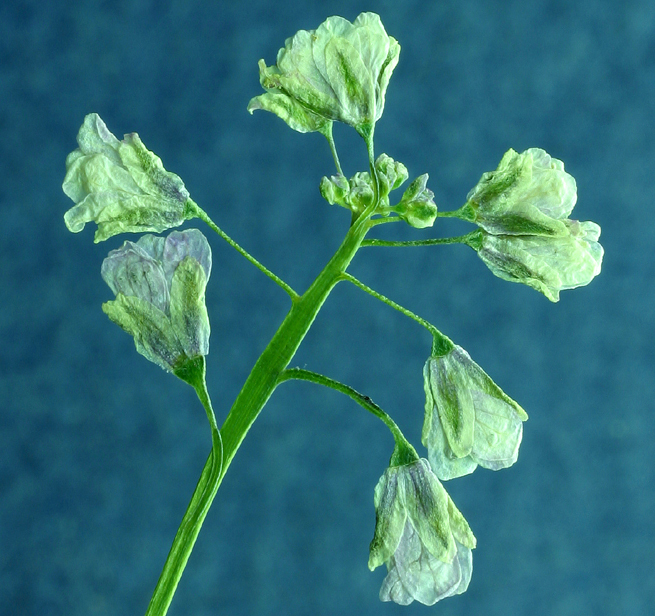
(416, 206)
(358, 193)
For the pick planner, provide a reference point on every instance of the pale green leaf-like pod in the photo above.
(469, 420)
(160, 295)
(296, 115)
(338, 72)
(527, 237)
(151, 329)
(120, 185)
(528, 194)
(547, 264)
(421, 536)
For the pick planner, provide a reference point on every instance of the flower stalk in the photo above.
(203, 496)
(364, 401)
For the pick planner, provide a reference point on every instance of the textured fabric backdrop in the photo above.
(100, 450)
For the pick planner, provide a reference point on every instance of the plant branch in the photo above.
(200, 213)
(193, 373)
(460, 239)
(364, 401)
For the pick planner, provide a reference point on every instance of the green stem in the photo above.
(193, 372)
(195, 209)
(333, 148)
(253, 396)
(393, 217)
(362, 400)
(370, 149)
(389, 302)
(460, 239)
(280, 351)
(439, 341)
(467, 212)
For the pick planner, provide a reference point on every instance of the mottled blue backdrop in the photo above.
(100, 450)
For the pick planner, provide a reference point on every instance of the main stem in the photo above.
(253, 396)
(276, 357)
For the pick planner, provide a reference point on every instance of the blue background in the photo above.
(100, 450)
